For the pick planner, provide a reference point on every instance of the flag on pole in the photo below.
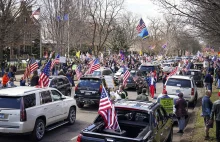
(107, 111)
(33, 65)
(95, 65)
(79, 72)
(55, 61)
(142, 30)
(125, 76)
(44, 77)
(36, 14)
(78, 54)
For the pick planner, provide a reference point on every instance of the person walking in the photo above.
(206, 111)
(181, 112)
(164, 79)
(143, 96)
(34, 79)
(5, 79)
(208, 81)
(216, 112)
(152, 85)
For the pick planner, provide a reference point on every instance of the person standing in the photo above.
(121, 92)
(22, 81)
(164, 96)
(143, 96)
(208, 81)
(164, 79)
(181, 112)
(216, 112)
(34, 79)
(5, 79)
(206, 111)
(152, 85)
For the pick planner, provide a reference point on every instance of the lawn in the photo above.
(199, 131)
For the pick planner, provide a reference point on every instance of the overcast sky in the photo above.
(144, 8)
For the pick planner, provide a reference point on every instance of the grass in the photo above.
(199, 131)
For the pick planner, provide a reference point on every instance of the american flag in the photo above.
(107, 111)
(173, 72)
(44, 77)
(125, 76)
(141, 26)
(78, 72)
(36, 12)
(55, 61)
(94, 66)
(33, 65)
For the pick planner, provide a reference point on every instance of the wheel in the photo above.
(193, 104)
(39, 130)
(68, 93)
(170, 138)
(72, 116)
(79, 104)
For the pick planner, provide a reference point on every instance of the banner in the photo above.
(167, 103)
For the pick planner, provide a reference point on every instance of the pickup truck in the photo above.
(139, 122)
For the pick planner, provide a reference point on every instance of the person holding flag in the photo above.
(152, 84)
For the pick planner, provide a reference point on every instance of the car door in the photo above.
(161, 125)
(67, 86)
(166, 126)
(156, 126)
(62, 107)
(61, 85)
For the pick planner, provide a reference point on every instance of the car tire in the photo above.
(194, 102)
(170, 137)
(39, 130)
(68, 93)
(72, 116)
(79, 104)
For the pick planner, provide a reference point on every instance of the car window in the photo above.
(106, 72)
(45, 97)
(66, 81)
(155, 118)
(10, 102)
(29, 100)
(53, 82)
(96, 73)
(60, 81)
(179, 82)
(147, 68)
(56, 95)
(89, 82)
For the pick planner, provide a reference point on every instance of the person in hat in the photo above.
(181, 112)
(216, 112)
(164, 96)
(143, 96)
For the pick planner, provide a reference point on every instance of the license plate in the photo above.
(2, 116)
(88, 93)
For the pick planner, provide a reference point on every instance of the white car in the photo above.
(34, 110)
(184, 84)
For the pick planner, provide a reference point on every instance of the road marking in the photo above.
(74, 138)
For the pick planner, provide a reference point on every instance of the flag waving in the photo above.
(55, 61)
(107, 111)
(125, 76)
(142, 30)
(33, 65)
(78, 72)
(44, 77)
(94, 66)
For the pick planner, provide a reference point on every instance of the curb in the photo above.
(189, 130)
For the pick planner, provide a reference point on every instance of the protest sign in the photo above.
(167, 103)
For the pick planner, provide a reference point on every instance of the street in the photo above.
(85, 117)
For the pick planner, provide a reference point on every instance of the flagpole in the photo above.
(68, 38)
(40, 43)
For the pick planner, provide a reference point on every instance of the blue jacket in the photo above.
(206, 106)
(68, 75)
(208, 78)
(10, 74)
(22, 82)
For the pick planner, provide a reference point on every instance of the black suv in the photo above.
(61, 83)
(88, 90)
(148, 68)
(138, 121)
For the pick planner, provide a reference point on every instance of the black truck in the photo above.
(138, 121)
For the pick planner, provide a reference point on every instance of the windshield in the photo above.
(147, 68)
(194, 73)
(89, 82)
(96, 73)
(168, 65)
(10, 102)
(179, 82)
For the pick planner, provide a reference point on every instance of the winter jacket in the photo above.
(181, 107)
(5, 80)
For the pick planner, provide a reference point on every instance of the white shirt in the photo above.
(152, 81)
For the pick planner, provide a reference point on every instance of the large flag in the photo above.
(33, 65)
(44, 77)
(125, 76)
(107, 111)
(142, 30)
(79, 72)
(94, 66)
(36, 14)
(55, 61)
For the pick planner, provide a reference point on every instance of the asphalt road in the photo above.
(85, 117)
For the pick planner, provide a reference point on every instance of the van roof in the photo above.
(18, 91)
(188, 77)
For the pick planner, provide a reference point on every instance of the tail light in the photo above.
(23, 115)
(192, 92)
(100, 89)
(76, 88)
(79, 138)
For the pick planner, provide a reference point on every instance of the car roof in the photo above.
(59, 76)
(103, 68)
(19, 91)
(135, 104)
(194, 70)
(181, 77)
(149, 64)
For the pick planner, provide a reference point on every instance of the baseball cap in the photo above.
(164, 92)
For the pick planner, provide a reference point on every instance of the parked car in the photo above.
(197, 76)
(88, 90)
(184, 84)
(61, 83)
(138, 122)
(102, 72)
(34, 110)
(147, 68)
(117, 75)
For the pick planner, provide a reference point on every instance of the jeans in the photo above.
(209, 86)
(182, 123)
(218, 130)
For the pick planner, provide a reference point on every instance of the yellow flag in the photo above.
(141, 53)
(78, 54)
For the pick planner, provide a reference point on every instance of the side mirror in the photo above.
(63, 98)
